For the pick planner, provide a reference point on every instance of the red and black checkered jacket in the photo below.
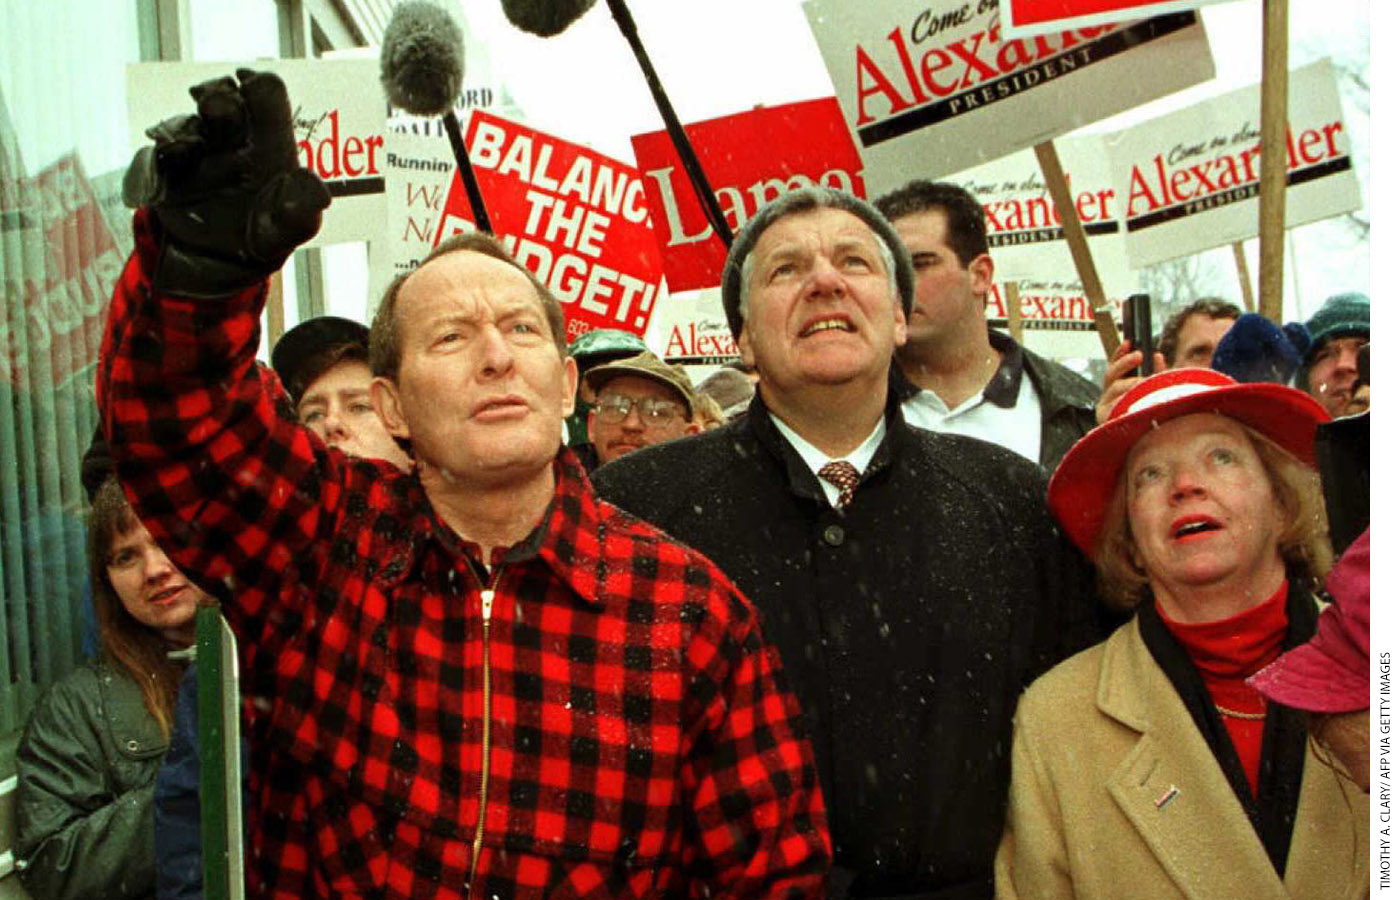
(640, 741)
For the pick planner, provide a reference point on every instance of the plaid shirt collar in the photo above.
(568, 539)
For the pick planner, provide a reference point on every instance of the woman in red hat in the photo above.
(1147, 766)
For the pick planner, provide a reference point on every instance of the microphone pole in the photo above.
(701, 185)
(464, 169)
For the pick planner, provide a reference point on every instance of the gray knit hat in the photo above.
(804, 200)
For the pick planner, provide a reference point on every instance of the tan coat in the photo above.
(1099, 741)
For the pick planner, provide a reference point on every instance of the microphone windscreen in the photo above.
(420, 63)
(545, 18)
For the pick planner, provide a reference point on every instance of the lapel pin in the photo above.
(1167, 797)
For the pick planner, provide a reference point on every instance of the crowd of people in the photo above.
(894, 607)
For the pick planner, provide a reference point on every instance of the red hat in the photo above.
(1329, 674)
(1083, 483)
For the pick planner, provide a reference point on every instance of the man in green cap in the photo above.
(1338, 330)
(637, 402)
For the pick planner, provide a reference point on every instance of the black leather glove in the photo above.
(225, 185)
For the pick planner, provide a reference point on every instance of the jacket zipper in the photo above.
(488, 599)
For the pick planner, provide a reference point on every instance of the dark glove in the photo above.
(225, 186)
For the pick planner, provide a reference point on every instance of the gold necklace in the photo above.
(1236, 714)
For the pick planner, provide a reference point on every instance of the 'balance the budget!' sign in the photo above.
(337, 113)
(1189, 181)
(575, 218)
(930, 87)
(749, 159)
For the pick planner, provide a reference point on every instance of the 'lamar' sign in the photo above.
(1189, 181)
(575, 218)
(338, 115)
(749, 159)
(902, 67)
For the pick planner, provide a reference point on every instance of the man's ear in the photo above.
(570, 385)
(384, 394)
(983, 273)
(746, 348)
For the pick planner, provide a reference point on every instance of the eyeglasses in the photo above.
(614, 408)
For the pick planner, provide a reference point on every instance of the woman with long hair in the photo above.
(1147, 766)
(88, 758)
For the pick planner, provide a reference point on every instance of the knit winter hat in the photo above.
(1255, 349)
(1343, 315)
(799, 201)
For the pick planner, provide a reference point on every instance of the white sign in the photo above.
(1189, 181)
(418, 172)
(690, 327)
(338, 111)
(929, 87)
(1024, 230)
(1057, 318)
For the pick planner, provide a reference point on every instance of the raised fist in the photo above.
(225, 185)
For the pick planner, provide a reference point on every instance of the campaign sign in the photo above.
(929, 87)
(1024, 231)
(67, 263)
(337, 114)
(691, 328)
(1058, 319)
(749, 159)
(418, 173)
(1025, 17)
(1189, 180)
(575, 218)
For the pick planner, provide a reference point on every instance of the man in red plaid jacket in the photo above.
(486, 682)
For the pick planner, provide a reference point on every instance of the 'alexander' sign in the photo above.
(1189, 180)
(930, 87)
(575, 218)
(749, 159)
(338, 115)
(1024, 231)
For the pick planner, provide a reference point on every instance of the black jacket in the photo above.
(87, 767)
(1066, 406)
(908, 624)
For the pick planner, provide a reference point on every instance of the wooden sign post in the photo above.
(1078, 244)
(1273, 173)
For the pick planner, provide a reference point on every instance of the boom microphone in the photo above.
(421, 64)
(545, 18)
(421, 67)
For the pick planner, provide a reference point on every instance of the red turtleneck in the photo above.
(1226, 653)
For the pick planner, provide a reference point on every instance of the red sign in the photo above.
(575, 218)
(70, 264)
(1020, 17)
(749, 159)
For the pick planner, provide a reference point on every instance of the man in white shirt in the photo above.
(964, 377)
